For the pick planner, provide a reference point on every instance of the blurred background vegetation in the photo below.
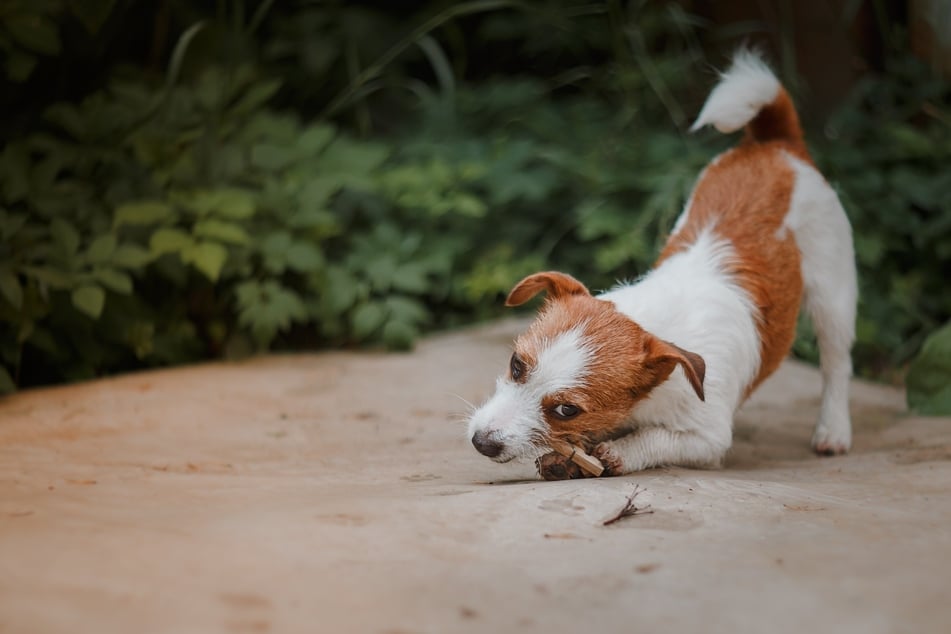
(183, 180)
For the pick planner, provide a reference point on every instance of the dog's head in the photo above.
(575, 374)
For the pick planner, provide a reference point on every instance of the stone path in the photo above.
(337, 493)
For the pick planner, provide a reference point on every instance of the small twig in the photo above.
(630, 508)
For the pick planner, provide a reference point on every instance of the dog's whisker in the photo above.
(459, 417)
(468, 403)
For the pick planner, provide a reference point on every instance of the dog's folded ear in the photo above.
(555, 283)
(664, 356)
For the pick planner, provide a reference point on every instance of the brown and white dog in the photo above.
(651, 373)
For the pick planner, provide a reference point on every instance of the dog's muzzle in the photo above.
(487, 443)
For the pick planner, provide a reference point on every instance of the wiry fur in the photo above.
(657, 369)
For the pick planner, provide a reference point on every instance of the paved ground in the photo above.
(337, 493)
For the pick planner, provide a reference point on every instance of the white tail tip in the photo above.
(743, 91)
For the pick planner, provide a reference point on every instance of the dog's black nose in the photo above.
(486, 444)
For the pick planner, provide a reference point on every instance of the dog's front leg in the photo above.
(658, 446)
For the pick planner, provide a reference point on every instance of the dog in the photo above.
(650, 373)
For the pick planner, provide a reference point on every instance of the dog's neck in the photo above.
(692, 300)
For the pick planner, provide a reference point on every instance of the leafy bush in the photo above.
(929, 377)
(166, 205)
(154, 223)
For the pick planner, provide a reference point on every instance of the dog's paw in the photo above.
(610, 460)
(834, 441)
(554, 466)
(830, 448)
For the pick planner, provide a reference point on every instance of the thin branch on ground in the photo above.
(630, 508)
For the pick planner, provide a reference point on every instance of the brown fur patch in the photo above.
(745, 196)
(778, 121)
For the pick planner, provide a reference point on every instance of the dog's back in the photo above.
(788, 227)
(744, 196)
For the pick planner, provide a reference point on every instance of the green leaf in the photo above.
(223, 231)
(355, 157)
(320, 219)
(267, 308)
(399, 335)
(380, 271)
(27, 329)
(143, 212)
(140, 336)
(207, 257)
(928, 381)
(411, 278)
(114, 280)
(406, 309)
(34, 32)
(367, 319)
(10, 288)
(169, 241)
(317, 191)
(271, 157)
(226, 202)
(101, 249)
(274, 248)
(7, 386)
(211, 88)
(68, 117)
(89, 299)
(53, 278)
(315, 138)
(340, 290)
(304, 257)
(469, 205)
(256, 95)
(131, 256)
(65, 235)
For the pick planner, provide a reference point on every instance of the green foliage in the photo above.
(221, 210)
(887, 151)
(31, 31)
(929, 377)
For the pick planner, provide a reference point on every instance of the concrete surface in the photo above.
(337, 493)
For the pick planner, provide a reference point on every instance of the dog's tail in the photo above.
(750, 95)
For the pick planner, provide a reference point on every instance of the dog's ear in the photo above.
(663, 356)
(557, 284)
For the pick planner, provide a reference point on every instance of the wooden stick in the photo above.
(630, 508)
(587, 462)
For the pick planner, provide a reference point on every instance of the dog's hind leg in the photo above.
(824, 237)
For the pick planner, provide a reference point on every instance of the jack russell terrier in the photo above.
(650, 373)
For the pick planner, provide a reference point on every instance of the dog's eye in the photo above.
(565, 411)
(517, 367)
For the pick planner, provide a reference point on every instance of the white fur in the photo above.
(824, 237)
(743, 90)
(685, 300)
(513, 415)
